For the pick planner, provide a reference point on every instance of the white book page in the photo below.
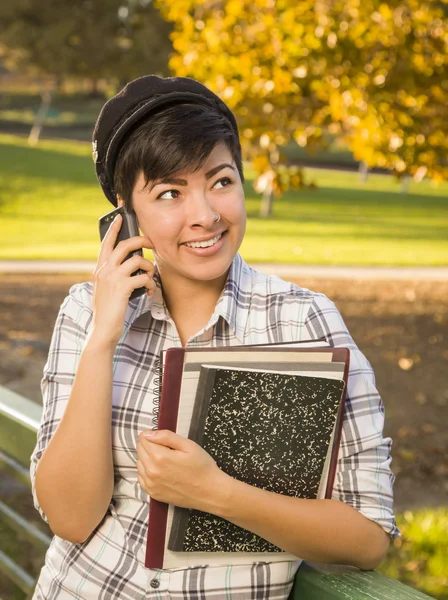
(217, 357)
(309, 344)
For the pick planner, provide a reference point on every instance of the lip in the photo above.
(210, 250)
(206, 239)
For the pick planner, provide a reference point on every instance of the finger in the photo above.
(152, 457)
(165, 437)
(141, 469)
(137, 262)
(142, 484)
(126, 246)
(138, 281)
(108, 242)
(142, 451)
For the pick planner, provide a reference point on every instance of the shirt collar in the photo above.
(155, 304)
(233, 304)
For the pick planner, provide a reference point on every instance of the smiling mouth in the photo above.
(206, 244)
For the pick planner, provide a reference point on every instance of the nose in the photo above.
(200, 212)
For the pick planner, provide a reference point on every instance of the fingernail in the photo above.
(117, 217)
(149, 434)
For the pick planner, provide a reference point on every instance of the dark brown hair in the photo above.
(177, 139)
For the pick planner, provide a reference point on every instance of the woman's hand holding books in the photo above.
(176, 470)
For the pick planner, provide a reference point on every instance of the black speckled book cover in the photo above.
(270, 430)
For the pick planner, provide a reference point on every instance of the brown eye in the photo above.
(161, 196)
(225, 181)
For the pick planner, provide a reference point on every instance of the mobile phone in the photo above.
(129, 228)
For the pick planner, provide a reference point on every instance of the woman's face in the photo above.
(181, 212)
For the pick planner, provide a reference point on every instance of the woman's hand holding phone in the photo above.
(113, 284)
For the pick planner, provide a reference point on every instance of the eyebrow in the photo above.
(175, 181)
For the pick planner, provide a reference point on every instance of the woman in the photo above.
(169, 149)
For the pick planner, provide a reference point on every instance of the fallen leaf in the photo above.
(421, 398)
(429, 428)
(405, 363)
(412, 565)
(441, 470)
(402, 432)
(407, 454)
(26, 350)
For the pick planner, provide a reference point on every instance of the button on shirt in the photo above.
(253, 309)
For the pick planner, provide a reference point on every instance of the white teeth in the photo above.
(204, 244)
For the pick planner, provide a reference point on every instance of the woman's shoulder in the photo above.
(77, 305)
(276, 287)
(286, 310)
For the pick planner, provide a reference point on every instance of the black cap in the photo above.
(135, 101)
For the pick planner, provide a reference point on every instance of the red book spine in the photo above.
(169, 408)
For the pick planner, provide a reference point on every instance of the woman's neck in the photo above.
(191, 302)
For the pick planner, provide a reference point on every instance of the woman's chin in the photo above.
(209, 270)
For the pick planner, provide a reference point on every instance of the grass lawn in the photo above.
(73, 109)
(50, 203)
(420, 557)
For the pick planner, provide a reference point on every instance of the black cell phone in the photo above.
(129, 228)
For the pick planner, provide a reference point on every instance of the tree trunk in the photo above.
(41, 115)
(267, 201)
(363, 171)
(95, 91)
(405, 180)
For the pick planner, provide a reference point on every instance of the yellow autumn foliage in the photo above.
(371, 71)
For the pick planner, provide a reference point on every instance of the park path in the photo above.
(281, 270)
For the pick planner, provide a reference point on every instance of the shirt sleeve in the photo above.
(363, 475)
(69, 335)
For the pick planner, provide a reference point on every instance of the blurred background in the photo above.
(342, 108)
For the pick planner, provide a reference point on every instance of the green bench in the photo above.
(19, 420)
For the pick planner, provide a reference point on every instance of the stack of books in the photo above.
(270, 416)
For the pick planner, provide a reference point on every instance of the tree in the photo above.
(394, 110)
(372, 72)
(89, 39)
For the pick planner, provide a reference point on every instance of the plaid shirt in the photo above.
(253, 309)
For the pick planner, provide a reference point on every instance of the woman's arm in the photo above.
(325, 531)
(75, 475)
(176, 470)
